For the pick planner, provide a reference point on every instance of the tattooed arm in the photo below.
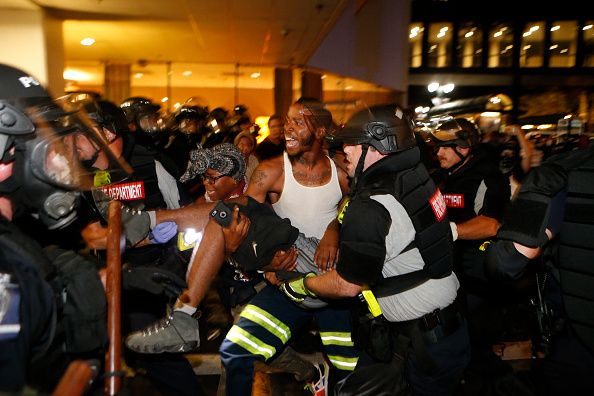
(266, 179)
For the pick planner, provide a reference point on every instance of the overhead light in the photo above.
(567, 117)
(441, 34)
(469, 34)
(70, 74)
(412, 35)
(187, 73)
(444, 29)
(554, 46)
(527, 126)
(497, 34)
(348, 87)
(556, 27)
(545, 126)
(587, 27)
(432, 87)
(563, 51)
(534, 28)
(323, 77)
(165, 99)
(490, 114)
(138, 75)
(527, 47)
(87, 41)
(255, 75)
(526, 34)
(449, 87)
(177, 105)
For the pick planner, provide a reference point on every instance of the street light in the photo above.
(440, 90)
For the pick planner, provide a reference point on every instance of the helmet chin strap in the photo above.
(359, 168)
(457, 165)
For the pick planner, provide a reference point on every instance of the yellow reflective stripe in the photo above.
(343, 363)
(252, 344)
(267, 321)
(372, 303)
(336, 338)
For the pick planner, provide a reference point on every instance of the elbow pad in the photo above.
(504, 262)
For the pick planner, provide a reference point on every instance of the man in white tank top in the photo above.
(305, 186)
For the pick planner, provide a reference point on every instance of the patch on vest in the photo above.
(125, 191)
(454, 200)
(438, 205)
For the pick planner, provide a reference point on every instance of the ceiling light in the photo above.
(444, 29)
(165, 99)
(587, 27)
(255, 75)
(490, 114)
(87, 41)
(432, 87)
(554, 46)
(177, 105)
(441, 34)
(138, 75)
(527, 126)
(527, 47)
(323, 77)
(187, 73)
(412, 35)
(449, 87)
(534, 28)
(526, 34)
(497, 34)
(556, 27)
(348, 87)
(70, 74)
(563, 51)
(469, 34)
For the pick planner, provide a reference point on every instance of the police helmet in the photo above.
(388, 128)
(136, 106)
(455, 132)
(47, 135)
(240, 110)
(191, 112)
(108, 115)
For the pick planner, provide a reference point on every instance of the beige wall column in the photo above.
(117, 82)
(283, 90)
(31, 40)
(311, 85)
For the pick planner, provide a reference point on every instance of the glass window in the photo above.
(563, 44)
(470, 46)
(501, 39)
(588, 35)
(440, 45)
(532, 50)
(415, 45)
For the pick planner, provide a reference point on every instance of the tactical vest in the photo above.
(414, 189)
(576, 252)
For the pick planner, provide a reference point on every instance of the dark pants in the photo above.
(451, 355)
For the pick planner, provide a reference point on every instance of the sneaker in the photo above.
(319, 385)
(175, 333)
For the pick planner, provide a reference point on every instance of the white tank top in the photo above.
(310, 209)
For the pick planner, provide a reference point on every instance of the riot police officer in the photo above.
(396, 253)
(40, 175)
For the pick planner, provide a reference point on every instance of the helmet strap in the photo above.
(463, 158)
(359, 168)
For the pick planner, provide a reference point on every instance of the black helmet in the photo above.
(240, 110)
(388, 128)
(135, 106)
(191, 112)
(108, 115)
(456, 132)
(46, 136)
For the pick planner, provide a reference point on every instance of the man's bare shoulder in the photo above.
(271, 167)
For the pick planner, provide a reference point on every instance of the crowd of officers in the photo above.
(449, 242)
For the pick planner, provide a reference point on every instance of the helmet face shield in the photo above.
(455, 132)
(65, 139)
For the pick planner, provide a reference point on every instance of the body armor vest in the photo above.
(576, 252)
(414, 189)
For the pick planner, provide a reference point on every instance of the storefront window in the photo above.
(532, 50)
(501, 46)
(440, 45)
(470, 46)
(415, 45)
(563, 44)
(588, 35)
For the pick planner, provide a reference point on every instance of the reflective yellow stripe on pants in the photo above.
(267, 321)
(252, 344)
(343, 363)
(336, 338)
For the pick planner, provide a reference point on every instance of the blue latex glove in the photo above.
(163, 232)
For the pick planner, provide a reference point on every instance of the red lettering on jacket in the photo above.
(438, 205)
(454, 200)
(125, 191)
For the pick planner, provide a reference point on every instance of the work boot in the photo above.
(176, 333)
(289, 361)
